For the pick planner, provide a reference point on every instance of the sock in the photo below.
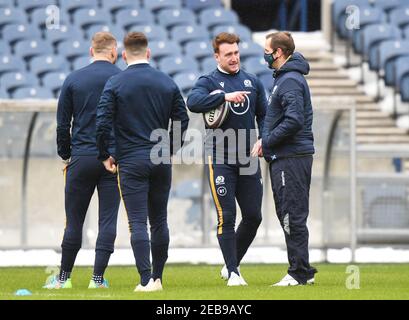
(98, 279)
(159, 257)
(64, 275)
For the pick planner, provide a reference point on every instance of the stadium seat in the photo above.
(31, 48)
(13, 80)
(374, 34)
(250, 48)
(386, 5)
(73, 48)
(186, 80)
(114, 5)
(217, 16)
(242, 31)
(404, 87)
(182, 34)
(64, 32)
(158, 5)
(208, 64)
(176, 17)
(116, 31)
(401, 69)
(6, 3)
(4, 48)
(126, 18)
(153, 32)
(86, 17)
(161, 49)
(10, 63)
(267, 81)
(198, 49)
(175, 64)
(42, 64)
(16, 32)
(10, 15)
(391, 72)
(256, 66)
(72, 5)
(338, 11)
(391, 49)
(121, 64)
(29, 5)
(400, 16)
(373, 55)
(54, 80)
(198, 5)
(3, 93)
(367, 17)
(81, 62)
(406, 32)
(33, 93)
(44, 18)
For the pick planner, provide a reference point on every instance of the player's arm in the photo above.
(200, 100)
(179, 114)
(104, 123)
(292, 102)
(64, 117)
(261, 107)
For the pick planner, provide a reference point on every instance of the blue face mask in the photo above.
(268, 57)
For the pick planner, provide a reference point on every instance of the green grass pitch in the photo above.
(202, 282)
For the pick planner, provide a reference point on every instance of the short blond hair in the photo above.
(103, 41)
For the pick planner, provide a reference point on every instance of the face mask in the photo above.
(269, 58)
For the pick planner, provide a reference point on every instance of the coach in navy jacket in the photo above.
(288, 146)
(137, 102)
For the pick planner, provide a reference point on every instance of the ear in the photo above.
(91, 52)
(148, 54)
(217, 57)
(124, 56)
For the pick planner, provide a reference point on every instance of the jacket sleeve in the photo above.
(64, 117)
(292, 102)
(200, 100)
(105, 115)
(261, 107)
(178, 114)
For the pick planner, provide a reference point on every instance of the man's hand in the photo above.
(66, 163)
(257, 149)
(110, 165)
(236, 96)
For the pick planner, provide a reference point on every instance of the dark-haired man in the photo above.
(137, 102)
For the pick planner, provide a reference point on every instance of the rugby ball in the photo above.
(215, 118)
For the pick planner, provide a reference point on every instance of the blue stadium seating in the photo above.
(373, 34)
(6, 3)
(406, 32)
(175, 64)
(126, 18)
(401, 69)
(198, 49)
(3, 93)
(404, 88)
(4, 48)
(158, 5)
(400, 16)
(29, 5)
(153, 32)
(44, 17)
(338, 12)
(386, 5)
(54, 80)
(116, 31)
(64, 32)
(13, 80)
(15, 32)
(198, 5)
(33, 93)
(391, 49)
(256, 65)
(162, 49)
(213, 17)
(182, 34)
(87, 17)
(9, 63)
(250, 48)
(121, 64)
(42, 64)
(114, 5)
(73, 48)
(242, 31)
(390, 67)
(186, 80)
(81, 62)
(72, 5)
(9, 15)
(267, 81)
(31, 48)
(208, 64)
(175, 17)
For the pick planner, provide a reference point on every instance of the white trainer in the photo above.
(157, 285)
(236, 280)
(311, 281)
(224, 273)
(148, 287)
(286, 281)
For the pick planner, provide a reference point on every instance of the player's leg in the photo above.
(291, 182)
(222, 180)
(133, 177)
(159, 189)
(108, 204)
(249, 195)
(79, 187)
